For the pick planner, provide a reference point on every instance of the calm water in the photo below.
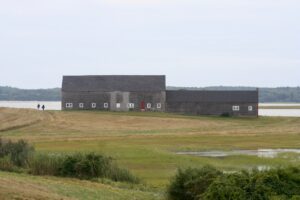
(50, 105)
(262, 153)
(280, 112)
(56, 105)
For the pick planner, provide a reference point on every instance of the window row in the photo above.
(118, 105)
(81, 105)
(237, 108)
(149, 105)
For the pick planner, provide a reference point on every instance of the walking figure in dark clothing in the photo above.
(43, 107)
(38, 106)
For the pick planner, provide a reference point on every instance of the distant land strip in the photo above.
(278, 95)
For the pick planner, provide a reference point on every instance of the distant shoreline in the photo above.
(265, 109)
(266, 95)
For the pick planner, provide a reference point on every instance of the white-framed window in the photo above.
(69, 105)
(105, 105)
(149, 105)
(235, 108)
(158, 105)
(81, 105)
(130, 105)
(250, 108)
(94, 105)
(118, 105)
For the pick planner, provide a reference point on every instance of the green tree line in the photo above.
(280, 94)
(16, 94)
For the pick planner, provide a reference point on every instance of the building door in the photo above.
(142, 105)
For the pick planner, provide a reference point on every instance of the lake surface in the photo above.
(279, 104)
(262, 153)
(50, 105)
(279, 112)
(56, 105)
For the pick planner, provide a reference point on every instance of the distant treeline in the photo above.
(15, 94)
(280, 94)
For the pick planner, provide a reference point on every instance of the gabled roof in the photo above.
(225, 96)
(108, 83)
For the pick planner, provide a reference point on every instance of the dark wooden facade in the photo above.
(148, 93)
(232, 103)
(114, 93)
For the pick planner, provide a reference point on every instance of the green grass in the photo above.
(154, 159)
(22, 186)
(146, 143)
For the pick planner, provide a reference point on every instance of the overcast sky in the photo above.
(193, 42)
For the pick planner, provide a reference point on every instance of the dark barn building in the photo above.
(148, 93)
(115, 93)
(233, 103)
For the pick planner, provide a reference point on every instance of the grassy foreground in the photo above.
(22, 186)
(145, 143)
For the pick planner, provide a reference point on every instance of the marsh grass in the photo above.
(17, 152)
(146, 143)
(45, 164)
(83, 166)
(21, 156)
(209, 183)
(118, 174)
(7, 165)
(24, 186)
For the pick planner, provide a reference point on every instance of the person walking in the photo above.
(43, 107)
(38, 106)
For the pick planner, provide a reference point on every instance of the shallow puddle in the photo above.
(263, 153)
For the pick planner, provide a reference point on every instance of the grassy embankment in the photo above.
(146, 143)
(22, 186)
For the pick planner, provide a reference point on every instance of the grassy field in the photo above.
(146, 144)
(22, 186)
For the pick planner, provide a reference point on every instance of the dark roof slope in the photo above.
(212, 96)
(107, 83)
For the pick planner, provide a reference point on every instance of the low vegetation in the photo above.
(208, 183)
(82, 166)
(22, 186)
(144, 143)
(15, 156)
